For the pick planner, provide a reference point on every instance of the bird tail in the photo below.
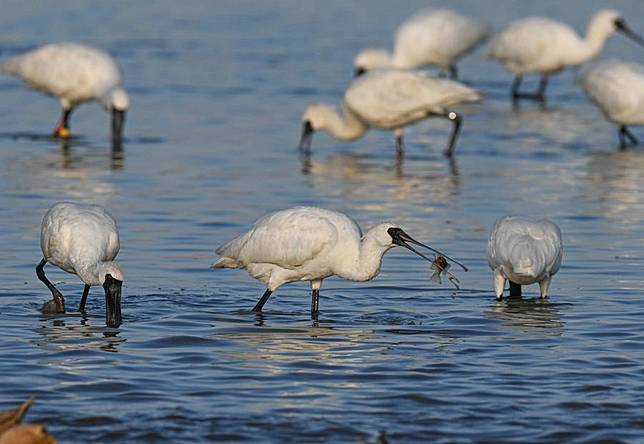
(226, 262)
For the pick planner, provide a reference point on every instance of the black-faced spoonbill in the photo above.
(617, 88)
(523, 251)
(545, 46)
(389, 99)
(74, 74)
(310, 244)
(437, 37)
(83, 240)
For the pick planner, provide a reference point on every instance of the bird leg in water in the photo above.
(539, 95)
(315, 303)
(515, 290)
(81, 307)
(57, 305)
(457, 120)
(62, 128)
(624, 134)
(453, 72)
(262, 301)
(400, 144)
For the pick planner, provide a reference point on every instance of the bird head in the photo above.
(370, 59)
(117, 102)
(112, 283)
(609, 21)
(391, 235)
(316, 116)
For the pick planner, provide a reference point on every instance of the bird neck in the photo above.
(597, 33)
(344, 125)
(364, 264)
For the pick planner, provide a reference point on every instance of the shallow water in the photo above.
(216, 94)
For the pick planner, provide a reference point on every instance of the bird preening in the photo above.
(74, 74)
(311, 244)
(83, 240)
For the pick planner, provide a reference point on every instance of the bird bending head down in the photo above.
(370, 59)
(117, 102)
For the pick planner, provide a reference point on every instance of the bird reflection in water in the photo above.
(528, 314)
(63, 335)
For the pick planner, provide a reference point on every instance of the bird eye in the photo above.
(619, 23)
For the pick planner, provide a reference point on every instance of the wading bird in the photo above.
(83, 240)
(617, 88)
(545, 46)
(437, 37)
(523, 251)
(74, 74)
(388, 99)
(311, 244)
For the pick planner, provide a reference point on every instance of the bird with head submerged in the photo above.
(545, 46)
(311, 244)
(389, 99)
(617, 88)
(523, 251)
(83, 240)
(437, 37)
(73, 73)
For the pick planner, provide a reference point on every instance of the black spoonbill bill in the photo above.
(83, 240)
(310, 244)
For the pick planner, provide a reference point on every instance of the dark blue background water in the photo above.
(217, 90)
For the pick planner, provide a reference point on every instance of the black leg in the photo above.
(625, 136)
(65, 120)
(59, 300)
(315, 303)
(400, 145)
(515, 290)
(515, 87)
(81, 307)
(262, 301)
(453, 72)
(457, 120)
(541, 92)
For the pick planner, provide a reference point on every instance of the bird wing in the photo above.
(436, 36)
(616, 86)
(390, 98)
(286, 238)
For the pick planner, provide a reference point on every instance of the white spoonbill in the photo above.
(310, 244)
(82, 239)
(617, 88)
(389, 99)
(523, 251)
(545, 46)
(73, 73)
(430, 37)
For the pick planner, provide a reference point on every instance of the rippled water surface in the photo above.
(217, 90)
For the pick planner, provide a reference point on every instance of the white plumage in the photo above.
(310, 244)
(545, 46)
(523, 251)
(83, 240)
(73, 73)
(388, 99)
(617, 88)
(437, 37)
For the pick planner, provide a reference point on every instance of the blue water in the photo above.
(217, 90)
